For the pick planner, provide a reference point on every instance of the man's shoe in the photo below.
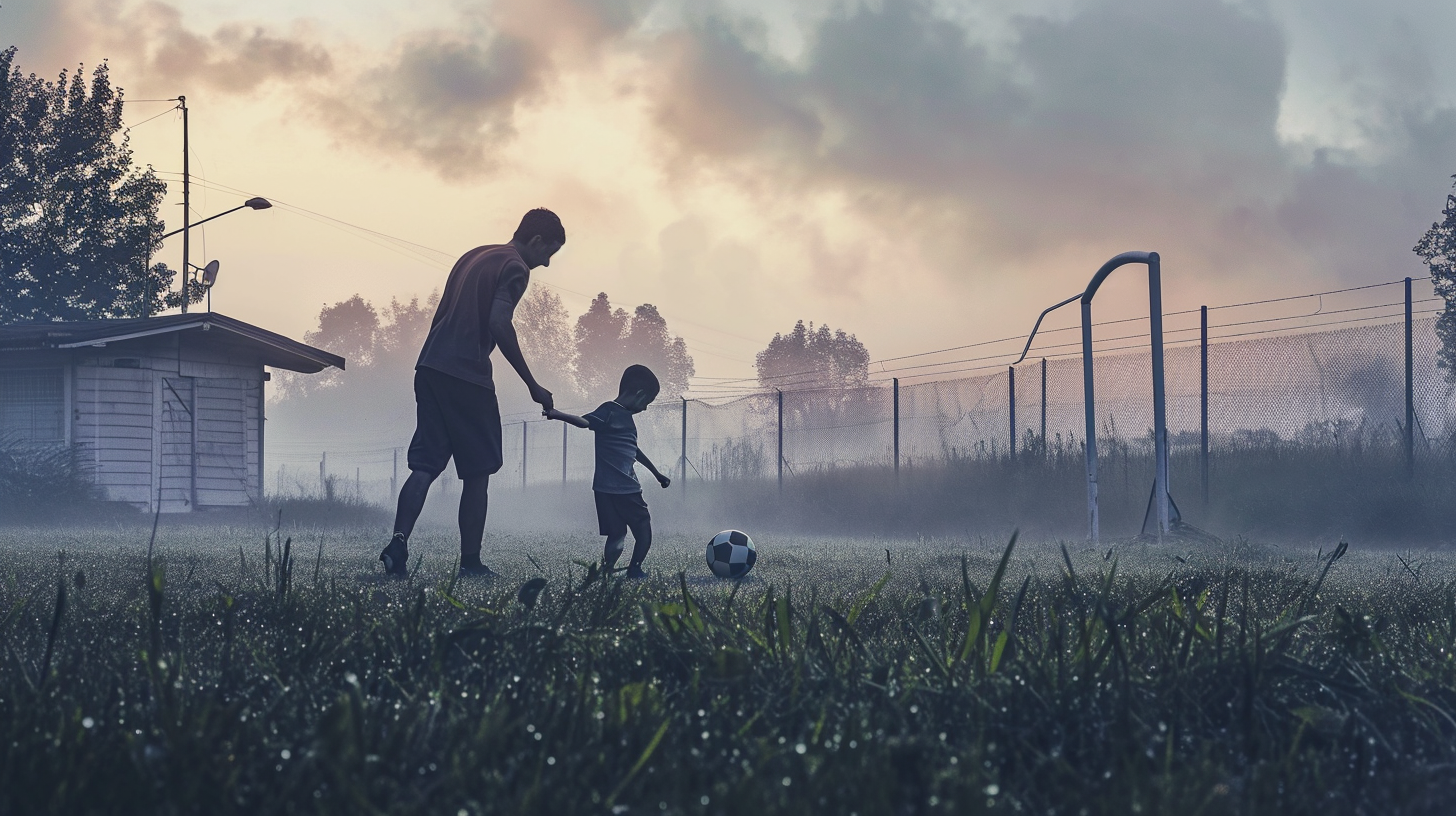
(635, 571)
(396, 557)
(477, 571)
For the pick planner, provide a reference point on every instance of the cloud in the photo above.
(449, 98)
(161, 52)
(446, 97)
(1123, 123)
(1110, 124)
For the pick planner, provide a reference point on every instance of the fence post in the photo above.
(1011, 404)
(563, 453)
(1044, 448)
(323, 464)
(1410, 388)
(1160, 404)
(523, 454)
(781, 440)
(682, 465)
(1089, 408)
(895, 412)
(1203, 398)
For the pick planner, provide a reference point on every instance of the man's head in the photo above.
(638, 389)
(538, 237)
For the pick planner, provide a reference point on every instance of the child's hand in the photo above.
(551, 413)
(663, 480)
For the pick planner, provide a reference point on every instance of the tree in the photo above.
(813, 358)
(608, 340)
(648, 342)
(1438, 249)
(543, 328)
(599, 347)
(78, 224)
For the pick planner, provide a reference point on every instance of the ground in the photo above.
(844, 676)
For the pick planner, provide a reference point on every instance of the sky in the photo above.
(922, 174)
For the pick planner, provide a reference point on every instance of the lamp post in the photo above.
(255, 203)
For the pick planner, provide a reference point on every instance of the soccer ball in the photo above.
(731, 554)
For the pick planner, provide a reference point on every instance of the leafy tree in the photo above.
(543, 328)
(1438, 249)
(599, 347)
(608, 340)
(402, 330)
(813, 358)
(77, 222)
(648, 342)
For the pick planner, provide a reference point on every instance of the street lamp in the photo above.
(256, 203)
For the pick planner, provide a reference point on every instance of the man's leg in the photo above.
(474, 502)
(407, 512)
(411, 502)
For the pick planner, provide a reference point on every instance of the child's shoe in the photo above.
(635, 571)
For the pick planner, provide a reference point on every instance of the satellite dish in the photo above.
(209, 274)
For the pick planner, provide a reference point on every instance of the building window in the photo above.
(33, 405)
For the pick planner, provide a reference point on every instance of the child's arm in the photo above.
(651, 468)
(569, 419)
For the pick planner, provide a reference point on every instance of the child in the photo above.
(618, 493)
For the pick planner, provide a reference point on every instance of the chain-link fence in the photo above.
(1333, 379)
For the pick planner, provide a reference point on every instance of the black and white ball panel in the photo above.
(731, 554)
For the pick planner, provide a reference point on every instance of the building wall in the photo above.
(172, 418)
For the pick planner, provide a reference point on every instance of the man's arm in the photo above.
(651, 468)
(569, 419)
(503, 331)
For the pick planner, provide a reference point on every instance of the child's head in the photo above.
(638, 389)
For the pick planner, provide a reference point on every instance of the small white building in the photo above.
(163, 410)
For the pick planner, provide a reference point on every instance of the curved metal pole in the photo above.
(1039, 318)
(1160, 441)
(203, 221)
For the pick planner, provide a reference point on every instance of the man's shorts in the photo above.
(454, 418)
(618, 511)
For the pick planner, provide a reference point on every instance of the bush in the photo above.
(44, 481)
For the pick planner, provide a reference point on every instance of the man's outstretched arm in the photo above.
(504, 333)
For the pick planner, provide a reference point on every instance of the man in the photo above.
(456, 413)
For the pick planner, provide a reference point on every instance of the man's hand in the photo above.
(542, 397)
(663, 480)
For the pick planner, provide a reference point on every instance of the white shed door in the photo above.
(221, 423)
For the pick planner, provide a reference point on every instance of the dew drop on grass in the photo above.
(800, 748)
(88, 723)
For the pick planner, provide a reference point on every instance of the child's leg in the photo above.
(613, 550)
(641, 540)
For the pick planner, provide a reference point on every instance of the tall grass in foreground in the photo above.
(243, 684)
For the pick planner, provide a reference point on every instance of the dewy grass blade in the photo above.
(641, 761)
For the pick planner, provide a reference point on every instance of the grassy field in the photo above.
(845, 676)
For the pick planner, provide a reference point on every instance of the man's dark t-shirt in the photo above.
(459, 343)
(616, 447)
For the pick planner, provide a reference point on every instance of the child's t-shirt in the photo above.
(616, 448)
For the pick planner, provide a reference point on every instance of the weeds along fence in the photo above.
(1350, 373)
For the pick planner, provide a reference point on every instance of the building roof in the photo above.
(273, 350)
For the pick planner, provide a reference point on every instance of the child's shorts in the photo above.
(618, 511)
